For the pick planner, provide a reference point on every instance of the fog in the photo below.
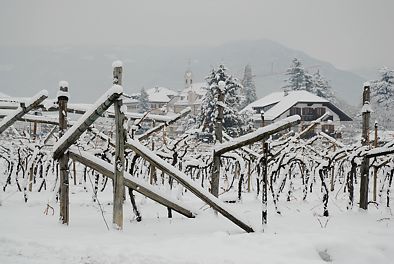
(350, 34)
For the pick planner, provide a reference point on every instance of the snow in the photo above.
(63, 84)
(123, 109)
(117, 64)
(367, 84)
(366, 108)
(293, 237)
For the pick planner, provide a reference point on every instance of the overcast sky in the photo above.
(348, 33)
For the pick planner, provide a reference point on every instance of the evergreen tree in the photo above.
(143, 101)
(322, 88)
(233, 123)
(308, 82)
(382, 98)
(249, 87)
(296, 73)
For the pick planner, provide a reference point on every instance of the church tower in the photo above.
(188, 78)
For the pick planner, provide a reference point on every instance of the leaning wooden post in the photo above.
(218, 137)
(62, 98)
(366, 111)
(375, 171)
(118, 192)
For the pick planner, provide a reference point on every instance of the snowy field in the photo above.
(27, 235)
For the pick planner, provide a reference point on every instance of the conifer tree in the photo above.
(249, 87)
(233, 123)
(322, 88)
(382, 98)
(296, 79)
(143, 101)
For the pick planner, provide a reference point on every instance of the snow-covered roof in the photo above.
(281, 102)
(160, 94)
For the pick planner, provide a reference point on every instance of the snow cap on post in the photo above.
(117, 64)
(367, 84)
(117, 72)
(63, 90)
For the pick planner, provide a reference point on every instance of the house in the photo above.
(163, 100)
(160, 100)
(279, 105)
(191, 97)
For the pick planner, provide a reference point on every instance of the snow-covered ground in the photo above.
(27, 235)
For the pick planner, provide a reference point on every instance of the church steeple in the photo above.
(188, 77)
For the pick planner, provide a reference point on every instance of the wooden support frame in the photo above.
(183, 179)
(86, 120)
(22, 110)
(259, 134)
(106, 169)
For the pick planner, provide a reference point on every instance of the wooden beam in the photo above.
(379, 152)
(259, 134)
(86, 120)
(106, 169)
(312, 125)
(183, 179)
(22, 110)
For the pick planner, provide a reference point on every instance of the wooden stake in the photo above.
(264, 188)
(249, 172)
(365, 142)
(63, 159)
(75, 173)
(119, 155)
(218, 138)
(375, 171)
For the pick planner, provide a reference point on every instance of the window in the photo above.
(295, 111)
(320, 111)
(308, 114)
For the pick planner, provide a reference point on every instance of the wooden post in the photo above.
(218, 137)
(332, 185)
(62, 98)
(118, 193)
(365, 142)
(34, 130)
(375, 171)
(75, 173)
(153, 176)
(264, 185)
(249, 172)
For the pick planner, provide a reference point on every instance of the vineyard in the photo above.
(104, 156)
